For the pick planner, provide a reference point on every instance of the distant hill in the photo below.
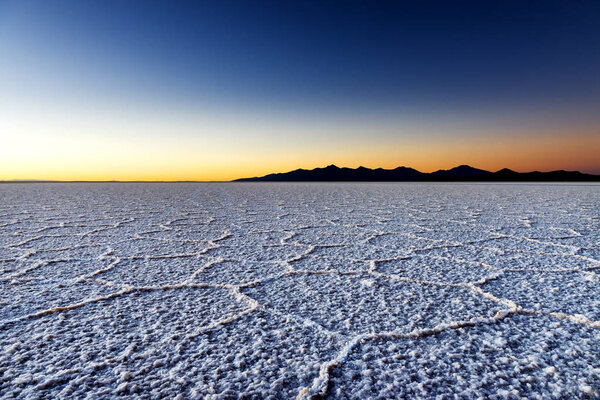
(462, 173)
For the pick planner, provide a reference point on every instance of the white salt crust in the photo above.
(283, 291)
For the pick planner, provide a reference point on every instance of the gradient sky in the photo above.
(215, 90)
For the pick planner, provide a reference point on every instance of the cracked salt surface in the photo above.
(300, 291)
(518, 358)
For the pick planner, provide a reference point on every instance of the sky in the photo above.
(218, 90)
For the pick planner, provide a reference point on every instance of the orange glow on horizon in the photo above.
(98, 147)
(109, 161)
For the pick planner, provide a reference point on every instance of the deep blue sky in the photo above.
(502, 63)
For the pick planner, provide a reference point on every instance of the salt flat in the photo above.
(283, 291)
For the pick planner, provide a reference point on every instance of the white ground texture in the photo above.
(299, 291)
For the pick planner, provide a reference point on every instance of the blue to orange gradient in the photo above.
(222, 90)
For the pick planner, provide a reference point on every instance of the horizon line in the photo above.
(18, 180)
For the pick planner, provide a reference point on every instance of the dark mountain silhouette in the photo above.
(537, 176)
(462, 173)
(334, 173)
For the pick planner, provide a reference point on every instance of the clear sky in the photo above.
(216, 90)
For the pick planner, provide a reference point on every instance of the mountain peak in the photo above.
(461, 172)
(505, 170)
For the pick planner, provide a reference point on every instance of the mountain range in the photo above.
(462, 173)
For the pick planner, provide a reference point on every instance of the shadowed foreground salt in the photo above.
(262, 291)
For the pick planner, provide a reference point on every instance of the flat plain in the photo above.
(283, 291)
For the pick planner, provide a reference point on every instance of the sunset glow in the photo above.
(179, 94)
